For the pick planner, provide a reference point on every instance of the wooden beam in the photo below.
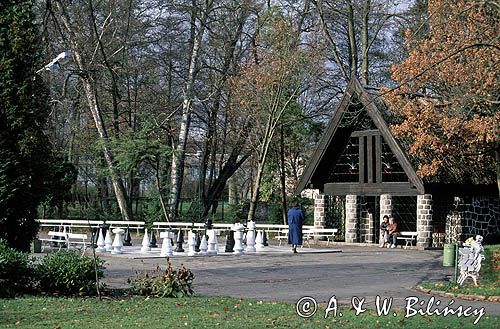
(378, 155)
(373, 189)
(369, 156)
(361, 159)
(376, 116)
(373, 132)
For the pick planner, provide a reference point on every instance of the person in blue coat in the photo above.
(295, 220)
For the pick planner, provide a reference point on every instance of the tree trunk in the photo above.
(108, 156)
(353, 48)
(90, 95)
(364, 42)
(178, 157)
(329, 37)
(233, 193)
(283, 176)
(210, 150)
(264, 148)
(497, 160)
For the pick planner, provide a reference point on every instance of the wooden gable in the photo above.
(352, 155)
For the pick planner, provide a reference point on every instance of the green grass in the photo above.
(200, 312)
(489, 277)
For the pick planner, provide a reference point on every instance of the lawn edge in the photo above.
(441, 293)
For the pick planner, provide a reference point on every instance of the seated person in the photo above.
(383, 231)
(392, 233)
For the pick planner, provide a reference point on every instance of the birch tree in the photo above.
(199, 19)
(82, 59)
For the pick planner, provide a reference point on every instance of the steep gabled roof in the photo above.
(335, 136)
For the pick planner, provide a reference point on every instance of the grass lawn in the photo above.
(201, 312)
(489, 277)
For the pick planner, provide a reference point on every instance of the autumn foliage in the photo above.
(448, 96)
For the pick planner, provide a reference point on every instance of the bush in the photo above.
(168, 283)
(16, 271)
(66, 272)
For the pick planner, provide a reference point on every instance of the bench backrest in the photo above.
(325, 230)
(469, 261)
(409, 233)
(58, 234)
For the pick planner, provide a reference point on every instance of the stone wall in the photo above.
(473, 216)
(320, 204)
(424, 220)
(351, 218)
(366, 228)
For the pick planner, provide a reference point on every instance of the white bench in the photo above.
(409, 238)
(282, 235)
(67, 239)
(469, 264)
(328, 233)
(60, 238)
(78, 239)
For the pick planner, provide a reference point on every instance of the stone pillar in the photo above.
(351, 218)
(424, 220)
(366, 227)
(385, 206)
(319, 210)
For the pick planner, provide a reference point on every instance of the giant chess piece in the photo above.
(100, 242)
(166, 246)
(180, 241)
(229, 241)
(264, 238)
(197, 243)
(238, 236)
(250, 237)
(212, 243)
(108, 241)
(259, 241)
(117, 243)
(127, 241)
(145, 242)
(203, 245)
(191, 243)
(152, 242)
(95, 236)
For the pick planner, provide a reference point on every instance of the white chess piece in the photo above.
(259, 241)
(100, 242)
(145, 242)
(238, 237)
(250, 237)
(203, 245)
(166, 246)
(191, 243)
(118, 242)
(108, 241)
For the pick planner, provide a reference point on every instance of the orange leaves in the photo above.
(447, 102)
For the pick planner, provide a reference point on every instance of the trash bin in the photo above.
(449, 255)
(37, 246)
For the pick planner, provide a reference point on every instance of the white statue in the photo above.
(470, 261)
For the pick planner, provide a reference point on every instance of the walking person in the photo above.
(295, 220)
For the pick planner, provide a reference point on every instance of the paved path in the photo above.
(355, 271)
